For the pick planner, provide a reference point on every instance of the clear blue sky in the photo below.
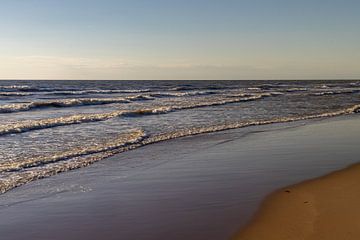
(182, 39)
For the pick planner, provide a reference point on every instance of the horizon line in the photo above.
(303, 79)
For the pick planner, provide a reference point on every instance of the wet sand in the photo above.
(200, 187)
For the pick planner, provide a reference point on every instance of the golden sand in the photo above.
(327, 208)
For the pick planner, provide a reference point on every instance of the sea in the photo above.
(49, 127)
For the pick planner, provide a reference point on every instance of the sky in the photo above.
(179, 39)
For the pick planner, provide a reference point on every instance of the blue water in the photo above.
(48, 127)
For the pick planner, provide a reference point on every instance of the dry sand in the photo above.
(324, 208)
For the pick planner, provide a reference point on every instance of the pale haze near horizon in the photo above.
(198, 39)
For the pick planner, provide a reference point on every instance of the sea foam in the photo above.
(17, 173)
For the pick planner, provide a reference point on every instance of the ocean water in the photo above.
(48, 127)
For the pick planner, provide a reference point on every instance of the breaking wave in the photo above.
(17, 88)
(182, 88)
(336, 92)
(61, 91)
(17, 173)
(19, 107)
(295, 89)
(96, 91)
(182, 94)
(121, 141)
(189, 88)
(17, 94)
(29, 125)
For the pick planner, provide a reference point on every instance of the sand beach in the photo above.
(323, 208)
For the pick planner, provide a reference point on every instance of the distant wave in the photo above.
(167, 109)
(278, 88)
(182, 94)
(336, 92)
(62, 91)
(183, 88)
(267, 86)
(256, 95)
(29, 125)
(19, 107)
(26, 170)
(15, 94)
(295, 89)
(189, 88)
(140, 97)
(254, 88)
(95, 91)
(17, 88)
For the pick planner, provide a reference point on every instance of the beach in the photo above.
(324, 208)
(181, 120)
(207, 186)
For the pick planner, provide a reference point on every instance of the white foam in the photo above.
(18, 94)
(121, 141)
(95, 91)
(16, 87)
(29, 125)
(17, 173)
(17, 107)
(31, 169)
(336, 92)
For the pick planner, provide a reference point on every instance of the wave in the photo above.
(121, 141)
(182, 94)
(28, 170)
(140, 98)
(295, 89)
(29, 125)
(68, 91)
(17, 88)
(268, 86)
(183, 88)
(147, 96)
(19, 107)
(95, 91)
(336, 92)
(189, 88)
(277, 87)
(45, 166)
(15, 94)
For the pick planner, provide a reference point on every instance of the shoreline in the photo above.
(321, 208)
(152, 193)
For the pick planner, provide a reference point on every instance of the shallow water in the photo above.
(42, 120)
(198, 188)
